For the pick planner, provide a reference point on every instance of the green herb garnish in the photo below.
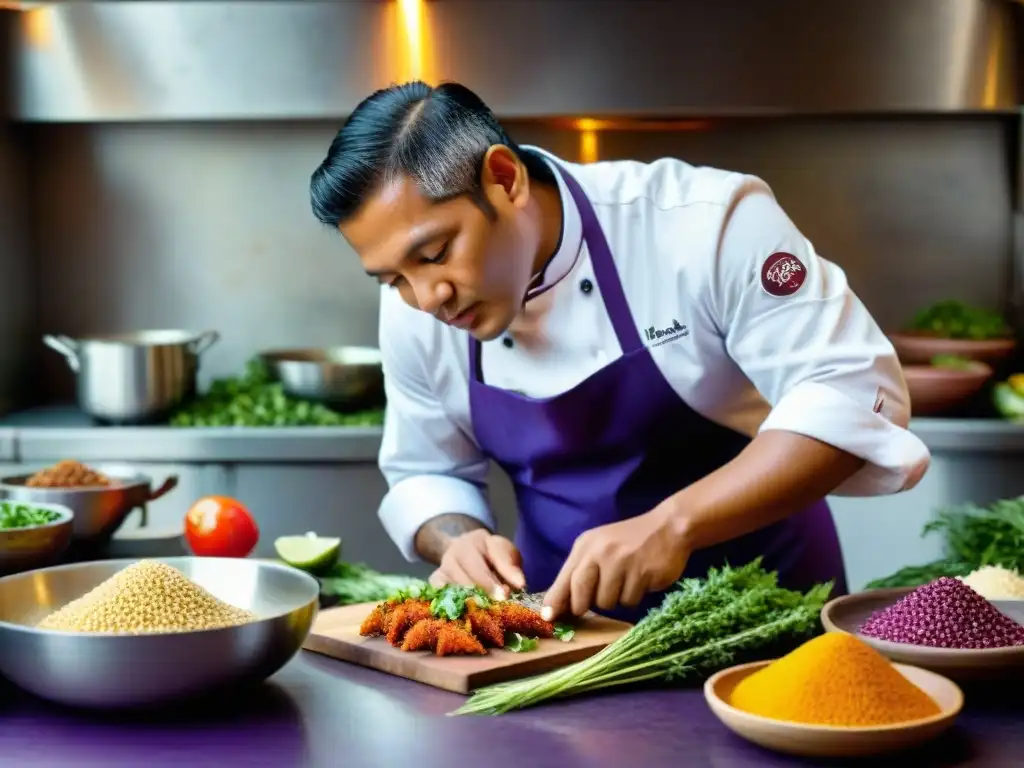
(14, 515)
(564, 632)
(517, 643)
(701, 626)
(450, 602)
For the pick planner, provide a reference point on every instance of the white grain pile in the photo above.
(144, 598)
(995, 583)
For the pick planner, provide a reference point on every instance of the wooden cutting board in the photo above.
(335, 633)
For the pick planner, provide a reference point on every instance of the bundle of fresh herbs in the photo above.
(703, 625)
(973, 536)
(352, 583)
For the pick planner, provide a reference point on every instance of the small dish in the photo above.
(848, 613)
(920, 347)
(22, 549)
(934, 390)
(828, 741)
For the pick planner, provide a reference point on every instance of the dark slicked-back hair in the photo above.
(435, 136)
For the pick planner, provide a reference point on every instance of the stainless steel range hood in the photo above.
(113, 61)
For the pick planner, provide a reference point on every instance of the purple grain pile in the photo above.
(944, 614)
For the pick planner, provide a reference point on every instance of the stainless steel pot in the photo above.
(98, 512)
(134, 378)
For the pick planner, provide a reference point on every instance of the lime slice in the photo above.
(309, 552)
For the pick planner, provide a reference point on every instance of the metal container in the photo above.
(343, 378)
(25, 548)
(134, 378)
(98, 511)
(124, 671)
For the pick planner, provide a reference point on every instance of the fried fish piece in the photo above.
(485, 625)
(375, 624)
(422, 636)
(455, 639)
(518, 618)
(404, 616)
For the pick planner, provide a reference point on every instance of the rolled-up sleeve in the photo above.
(814, 353)
(431, 466)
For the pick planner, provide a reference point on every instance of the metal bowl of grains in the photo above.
(119, 634)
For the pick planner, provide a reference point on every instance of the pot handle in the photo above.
(66, 346)
(205, 340)
(168, 485)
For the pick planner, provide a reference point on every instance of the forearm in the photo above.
(435, 535)
(778, 474)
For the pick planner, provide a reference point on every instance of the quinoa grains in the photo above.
(146, 597)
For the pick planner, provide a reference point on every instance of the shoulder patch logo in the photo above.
(782, 274)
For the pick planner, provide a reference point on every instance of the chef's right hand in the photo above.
(482, 559)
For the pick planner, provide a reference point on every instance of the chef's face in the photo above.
(467, 266)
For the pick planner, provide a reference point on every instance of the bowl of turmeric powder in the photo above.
(833, 697)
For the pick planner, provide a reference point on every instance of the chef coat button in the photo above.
(586, 286)
(507, 341)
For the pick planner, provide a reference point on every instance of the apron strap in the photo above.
(605, 273)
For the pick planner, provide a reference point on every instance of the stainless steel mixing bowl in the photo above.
(343, 378)
(24, 548)
(125, 671)
(99, 512)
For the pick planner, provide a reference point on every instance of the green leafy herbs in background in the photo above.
(957, 320)
(13, 515)
(256, 400)
(702, 626)
(951, 362)
(973, 536)
(353, 583)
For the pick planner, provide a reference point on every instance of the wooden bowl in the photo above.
(831, 740)
(936, 390)
(919, 347)
(848, 613)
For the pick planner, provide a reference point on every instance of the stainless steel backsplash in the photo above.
(207, 225)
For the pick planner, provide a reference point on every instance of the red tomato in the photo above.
(218, 526)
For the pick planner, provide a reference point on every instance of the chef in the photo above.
(669, 373)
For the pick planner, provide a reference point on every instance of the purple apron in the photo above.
(618, 444)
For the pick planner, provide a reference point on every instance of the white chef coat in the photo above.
(689, 244)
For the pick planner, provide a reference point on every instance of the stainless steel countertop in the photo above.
(50, 434)
(53, 433)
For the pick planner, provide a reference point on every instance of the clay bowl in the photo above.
(920, 347)
(827, 741)
(848, 613)
(935, 390)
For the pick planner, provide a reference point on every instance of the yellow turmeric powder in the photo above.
(834, 679)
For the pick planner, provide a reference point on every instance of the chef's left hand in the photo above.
(617, 564)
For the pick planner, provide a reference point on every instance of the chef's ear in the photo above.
(502, 168)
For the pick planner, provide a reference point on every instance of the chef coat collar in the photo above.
(570, 240)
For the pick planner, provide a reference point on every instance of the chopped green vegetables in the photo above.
(564, 632)
(255, 400)
(701, 626)
(450, 602)
(516, 643)
(957, 320)
(973, 536)
(14, 515)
